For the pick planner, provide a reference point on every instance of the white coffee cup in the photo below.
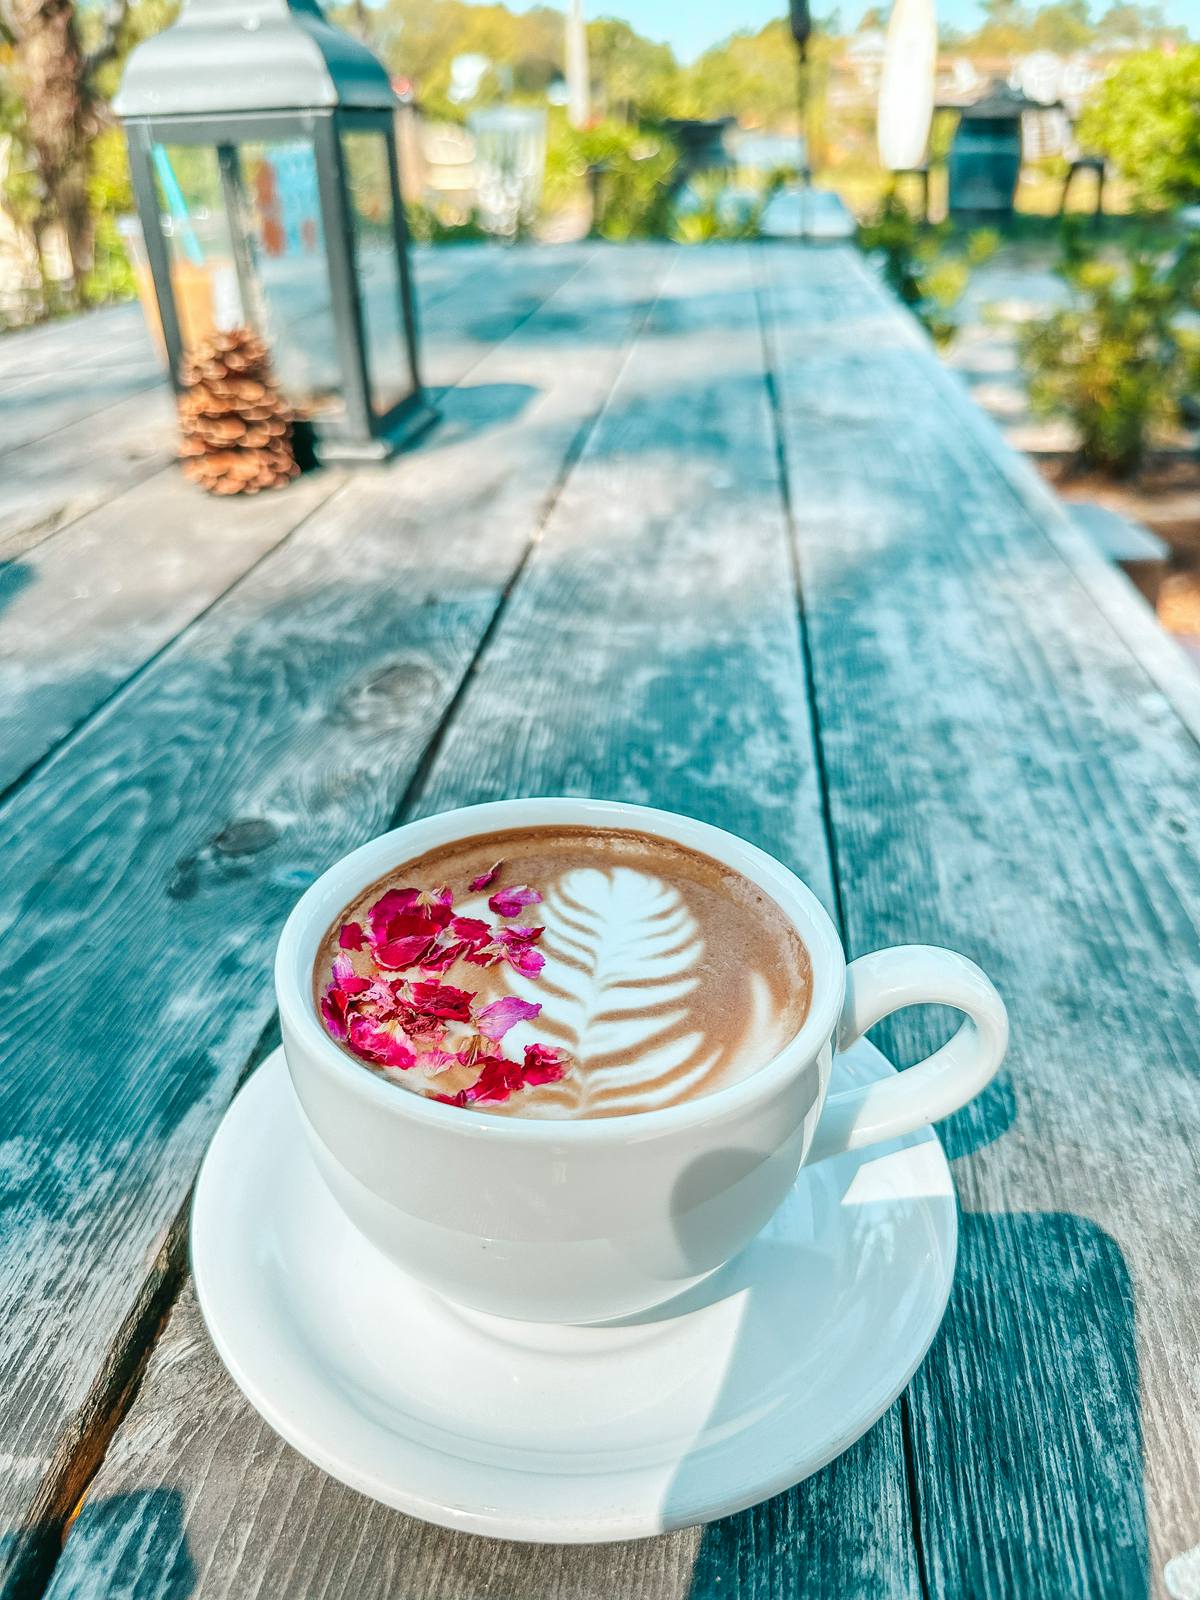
(594, 1218)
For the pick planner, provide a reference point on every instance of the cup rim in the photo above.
(320, 903)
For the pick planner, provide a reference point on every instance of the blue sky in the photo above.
(692, 25)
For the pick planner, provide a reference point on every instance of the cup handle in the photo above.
(877, 985)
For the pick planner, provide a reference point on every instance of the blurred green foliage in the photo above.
(429, 224)
(630, 171)
(1146, 118)
(110, 197)
(1118, 359)
(927, 266)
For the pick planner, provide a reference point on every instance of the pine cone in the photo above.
(236, 427)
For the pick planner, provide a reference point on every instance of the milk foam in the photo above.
(623, 958)
(667, 975)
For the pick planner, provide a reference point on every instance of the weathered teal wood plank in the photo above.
(1006, 776)
(82, 612)
(649, 650)
(149, 863)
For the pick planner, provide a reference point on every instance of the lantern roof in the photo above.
(227, 56)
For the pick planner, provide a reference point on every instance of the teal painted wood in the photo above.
(1006, 776)
(99, 449)
(85, 610)
(159, 850)
(650, 649)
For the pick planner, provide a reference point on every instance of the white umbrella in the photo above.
(906, 90)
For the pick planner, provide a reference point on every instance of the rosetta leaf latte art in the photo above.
(623, 954)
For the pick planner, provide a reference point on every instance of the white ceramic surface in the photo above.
(582, 1221)
(755, 1379)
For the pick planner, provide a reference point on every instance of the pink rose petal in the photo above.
(333, 1009)
(431, 1062)
(486, 956)
(351, 936)
(401, 953)
(498, 1080)
(496, 1019)
(437, 905)
(473, 930)
(386, 995)
(484, 878)
(442, 956)
(378, 1044)
(544, 1064)
(345, 977)
(510, 902)
(387, 909)
(525, 959)
(442, 1000)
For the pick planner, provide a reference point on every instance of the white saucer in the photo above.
(771, 1368)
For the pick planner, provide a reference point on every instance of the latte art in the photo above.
(664, 975)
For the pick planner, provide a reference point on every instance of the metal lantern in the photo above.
(263, 154)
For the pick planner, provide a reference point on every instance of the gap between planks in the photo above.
(54, 685)
(850, 1525)
(532, 360)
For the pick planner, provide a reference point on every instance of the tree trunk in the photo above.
(50, 71)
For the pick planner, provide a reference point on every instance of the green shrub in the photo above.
(927, 267)
(110, 196)
(1115, 361)
(708, 211)
(1146, 119)
(430, 225)
(633, 171)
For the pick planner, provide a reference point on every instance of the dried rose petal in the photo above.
(509, 902)
(516, 946)
(474, 930)
(390, 905)
(442, 956)
(486, 956)
(351, 936)
(437, 905)
(484, 878)
(499, 1079)
(333, 1009)
(386, 995)
(431, 1062)
(473, 1049)
(523, 958)
(496, 1019)
(544, 1064)
(404, 952)
(369, 1039)
(436, 999)
(345, 977)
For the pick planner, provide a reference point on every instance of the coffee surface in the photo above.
(666, 975)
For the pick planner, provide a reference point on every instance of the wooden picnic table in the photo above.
(705, 528)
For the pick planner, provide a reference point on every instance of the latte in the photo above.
(563, 972)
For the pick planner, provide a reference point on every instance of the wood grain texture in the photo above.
(80, 614)
(103, 449)
(87, 608)
(159, 850)
(1005, 776)
(50, 483)
(93, 339)
(650, 650)
(35, 406)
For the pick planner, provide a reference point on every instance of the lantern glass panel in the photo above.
(279, 185)
(199, 240)
(369, 181)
